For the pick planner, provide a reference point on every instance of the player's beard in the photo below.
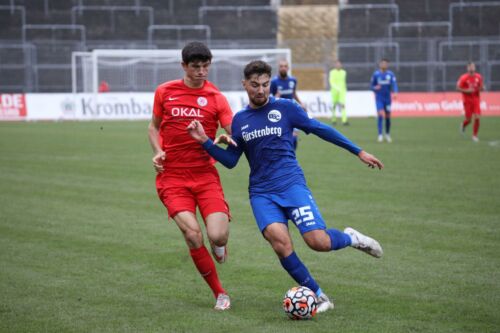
(259, 101)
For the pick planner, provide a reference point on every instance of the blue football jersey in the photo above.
(285, 87)
(265, 135)
(387, 82)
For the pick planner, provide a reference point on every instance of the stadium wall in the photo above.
(138, 106)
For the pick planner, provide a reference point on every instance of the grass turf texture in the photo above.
(85, 245)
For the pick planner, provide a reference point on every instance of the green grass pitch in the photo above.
(85, 245)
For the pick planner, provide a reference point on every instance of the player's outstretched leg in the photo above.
(333, 239)
(299, 272)
(364, 243)
(279, 238)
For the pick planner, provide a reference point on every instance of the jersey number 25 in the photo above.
(302, 214)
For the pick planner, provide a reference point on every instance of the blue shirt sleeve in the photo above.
(374, 81)
(299, 119)
(394, 84)
(274, 87)
(228, 157)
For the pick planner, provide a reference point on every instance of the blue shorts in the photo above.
(296, 204)
(383, 104)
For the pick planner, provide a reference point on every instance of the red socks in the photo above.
(465, 123)
(475, 127)
(205, 265)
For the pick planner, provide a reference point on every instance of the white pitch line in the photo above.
(495, 143)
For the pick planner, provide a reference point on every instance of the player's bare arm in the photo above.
(370, 160)
(225, 138)
(153, 134)
(227, 129)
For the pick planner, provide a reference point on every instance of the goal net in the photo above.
(144, 70)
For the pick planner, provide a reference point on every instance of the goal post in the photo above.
(81, 72)
(144, 70)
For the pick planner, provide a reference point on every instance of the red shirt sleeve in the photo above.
(224, 112)
(462, 82)
(158, 104)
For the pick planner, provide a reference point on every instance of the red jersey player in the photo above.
(186, 174)
(470, 85)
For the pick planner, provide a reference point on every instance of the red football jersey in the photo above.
(474, 81)
(178, 105)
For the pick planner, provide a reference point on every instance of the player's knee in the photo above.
(219, 237)
(282, 248)
(218, 228)
(194, 238)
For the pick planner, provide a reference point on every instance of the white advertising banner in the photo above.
(109, 106)
(138, 106)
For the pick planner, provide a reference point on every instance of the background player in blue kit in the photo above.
(383, 83)
(284, 85)
(278, 190)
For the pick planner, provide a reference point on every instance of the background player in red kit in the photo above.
(186, 175)
(470, 85)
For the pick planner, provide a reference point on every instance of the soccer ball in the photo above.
(300, 303)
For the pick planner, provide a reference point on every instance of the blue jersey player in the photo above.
(285, 86)
(383, 84)
(278, 190)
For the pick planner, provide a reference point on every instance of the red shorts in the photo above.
(184, 189)
(471, 107)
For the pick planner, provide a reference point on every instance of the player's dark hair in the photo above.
(258, 67)
(196, 51)
(384, 59)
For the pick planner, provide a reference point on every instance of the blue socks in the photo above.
(380, 121)
(298, 271)
(339, 239)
